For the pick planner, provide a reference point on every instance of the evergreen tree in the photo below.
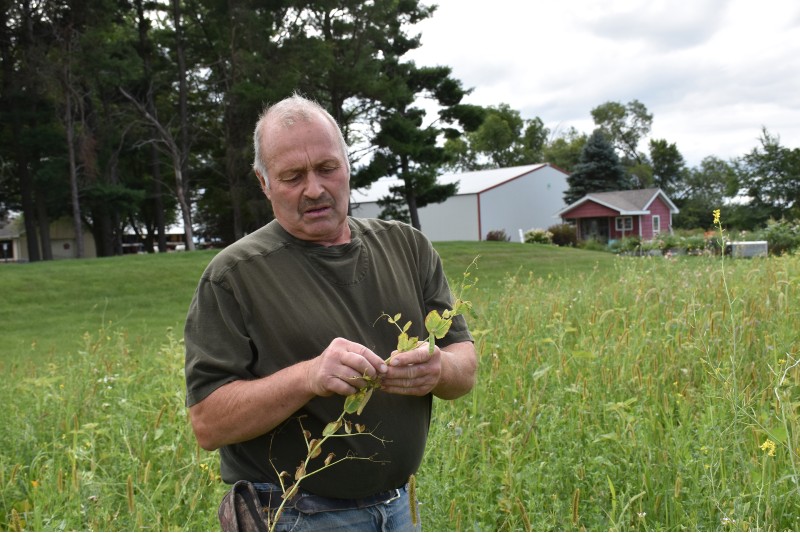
(599, 170)
(407, 147)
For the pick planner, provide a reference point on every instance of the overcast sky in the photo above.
(712, 72)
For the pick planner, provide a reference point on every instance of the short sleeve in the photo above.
(438, 295)
(218, 348)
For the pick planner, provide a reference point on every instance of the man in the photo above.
(285, 323)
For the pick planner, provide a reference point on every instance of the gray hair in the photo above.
(287, 112)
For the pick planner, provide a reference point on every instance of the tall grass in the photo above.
(638, 396)
(100, 442)
(640, 399)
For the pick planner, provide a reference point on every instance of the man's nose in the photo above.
(313, 185)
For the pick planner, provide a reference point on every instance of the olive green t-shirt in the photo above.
(270, 300)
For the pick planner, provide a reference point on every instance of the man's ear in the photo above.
(262, 180)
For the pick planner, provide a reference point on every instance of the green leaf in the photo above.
(334, 426)
(356, 402)
(364, 400)
(406, 343)
(436, 325)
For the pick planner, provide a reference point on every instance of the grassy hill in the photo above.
(639, 394)
(48, 306)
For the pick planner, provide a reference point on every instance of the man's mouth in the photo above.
(317, 210)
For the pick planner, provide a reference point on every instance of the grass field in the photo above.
(614, 394)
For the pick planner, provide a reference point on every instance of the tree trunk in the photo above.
(73, 168)
(181, 178)
(44, 226)
(28, 209)
(158, 200)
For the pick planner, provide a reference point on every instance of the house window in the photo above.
(656, 224)
(624, 223)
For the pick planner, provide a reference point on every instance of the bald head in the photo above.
(283, 115)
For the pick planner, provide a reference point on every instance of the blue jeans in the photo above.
(392, 515)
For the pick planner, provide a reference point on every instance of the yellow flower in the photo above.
(768, 447)
(716, 216)
(35, 483)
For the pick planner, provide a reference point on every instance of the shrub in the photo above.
(628, 244)
(538, 236)
(594, 245)
(564, 235)
(782, 236)
(497, 235)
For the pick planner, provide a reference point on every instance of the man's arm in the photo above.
(242, 410)
(449, 373)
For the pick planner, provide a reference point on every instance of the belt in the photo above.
(308, 503)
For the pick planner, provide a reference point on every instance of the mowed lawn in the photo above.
(47, 307)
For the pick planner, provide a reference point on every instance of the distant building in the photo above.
(63, 245)
(604, 216)
(507, 199)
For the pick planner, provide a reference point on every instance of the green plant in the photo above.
(592, 368)
(497, 235)
(597, 246)
(782, 236)
(626, 245)
(538, 236)
(437, 325)
(564, 235)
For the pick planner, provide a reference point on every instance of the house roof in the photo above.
(10, 228)
(635, 202)
(474, 182)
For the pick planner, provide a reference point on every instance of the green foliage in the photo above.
(669, 167)
(625, 126)
(563, 235)
(99, 441)
(771, 177)
(626, 244)
(599, 170)
(782, 236)
(405, 146)
(704, 189)
(636, 398)
(504, 139)
(564, 151)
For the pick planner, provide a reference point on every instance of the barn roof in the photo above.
(635, 202)
(468, 182)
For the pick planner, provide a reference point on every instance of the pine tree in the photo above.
(599, 170)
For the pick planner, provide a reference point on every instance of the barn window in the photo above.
(656, 224)
(624, 223)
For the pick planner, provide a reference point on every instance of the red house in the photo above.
(605, 216)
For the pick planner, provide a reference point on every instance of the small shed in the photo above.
(508, 199)
(605, 216)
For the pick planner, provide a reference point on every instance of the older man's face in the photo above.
(309, 184)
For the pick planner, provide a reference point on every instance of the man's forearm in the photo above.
(242, 410)
(459, 368)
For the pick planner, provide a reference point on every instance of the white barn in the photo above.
(509, 199)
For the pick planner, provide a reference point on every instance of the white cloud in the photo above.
(712, 73)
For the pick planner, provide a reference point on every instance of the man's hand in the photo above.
(448, 373)
(341, 368)
(244, 409)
